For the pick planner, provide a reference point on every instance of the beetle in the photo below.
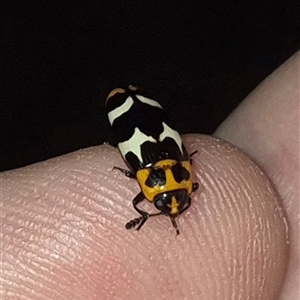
(154, 153)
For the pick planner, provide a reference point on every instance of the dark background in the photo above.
(60, 60)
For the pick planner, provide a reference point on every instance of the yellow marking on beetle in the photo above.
(120, 91)
(132, 88)
(174, 206)
(170, 185)
(114, 92)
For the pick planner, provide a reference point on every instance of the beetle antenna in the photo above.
(193, 153)
(134, 222)
(141, 220)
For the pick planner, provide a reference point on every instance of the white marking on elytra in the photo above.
(119, 111)
(169, 132)
(134, 143)
(148, 101)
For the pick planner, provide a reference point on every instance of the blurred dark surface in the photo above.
(60, 60)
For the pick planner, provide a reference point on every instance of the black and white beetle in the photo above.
(154, 153)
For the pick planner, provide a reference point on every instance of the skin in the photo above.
(266, 127)
(62, 220)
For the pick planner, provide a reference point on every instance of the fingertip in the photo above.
(232, 241)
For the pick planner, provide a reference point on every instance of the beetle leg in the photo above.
(188, 205)
(127, 173)
(192, 154)
(138, 199)
(144, 215)
(140, 220)
(175, 225)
